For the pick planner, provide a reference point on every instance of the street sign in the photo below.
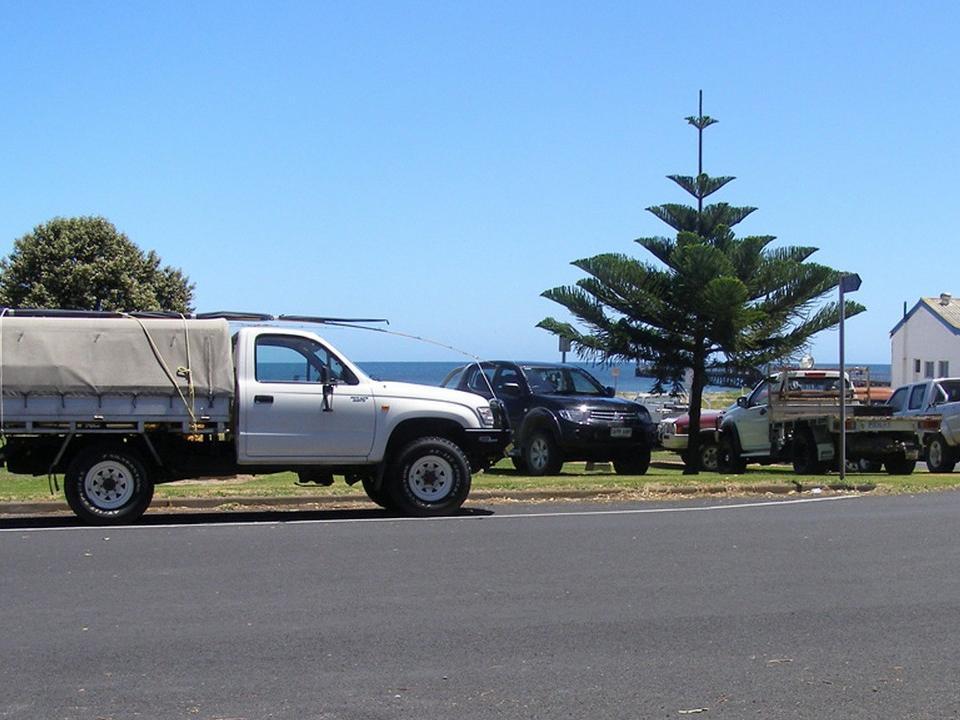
(850, 283)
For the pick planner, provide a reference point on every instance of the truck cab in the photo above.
(939, 399)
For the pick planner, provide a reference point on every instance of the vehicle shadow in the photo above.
(224, 518)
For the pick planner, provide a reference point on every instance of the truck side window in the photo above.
(476, 382)
(898, 399)
(293, 359)
(916, 397)
(759, 395)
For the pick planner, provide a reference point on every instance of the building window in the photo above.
(916, 366)
(944, 368)
(928, 369)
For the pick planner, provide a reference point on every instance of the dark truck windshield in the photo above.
(561, 381)
(950, 391)
(814, 383)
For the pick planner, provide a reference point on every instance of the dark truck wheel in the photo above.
(429, 476)
(541, 454)
(729, 460)
(941, 458)
(805, 460)
(520, 464)
(637, 463)
(899, 465)
(108, 486)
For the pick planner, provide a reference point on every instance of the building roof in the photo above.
(944, 308)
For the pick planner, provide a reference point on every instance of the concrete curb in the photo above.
(212, 503)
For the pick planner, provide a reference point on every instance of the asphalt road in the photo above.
(839, 608)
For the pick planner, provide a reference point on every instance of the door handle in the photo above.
(263, 399)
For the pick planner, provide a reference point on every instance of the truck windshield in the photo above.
(814, 384)
(561, 381)
(951, 391)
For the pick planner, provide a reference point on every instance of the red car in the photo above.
(674, 435)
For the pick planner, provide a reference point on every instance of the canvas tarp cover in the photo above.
(94, 356)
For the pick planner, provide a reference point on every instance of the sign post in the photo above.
(848, 283)
(564, 348)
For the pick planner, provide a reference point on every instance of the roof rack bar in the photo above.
(64, 313)
(235, 316)
(313, 319)
(229, 315)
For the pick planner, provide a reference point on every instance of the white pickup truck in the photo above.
(939, 398)
(121, 403)
(793, 416)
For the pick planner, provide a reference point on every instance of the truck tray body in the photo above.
(80, 373)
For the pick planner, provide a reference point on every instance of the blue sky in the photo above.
(440, 164)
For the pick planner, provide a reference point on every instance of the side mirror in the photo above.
(610, 391)
(742, 401)
(322, 374)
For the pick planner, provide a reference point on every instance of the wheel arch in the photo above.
(410, 430)
(730, 431)
(539, 419)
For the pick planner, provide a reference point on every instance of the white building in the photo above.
(926, 342)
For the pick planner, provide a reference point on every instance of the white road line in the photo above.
(454, 518)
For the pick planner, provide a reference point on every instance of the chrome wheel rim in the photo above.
(709, 457)
(539, 454)
(430, 478)
(935, 453)
(108, 485)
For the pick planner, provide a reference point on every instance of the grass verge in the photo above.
(665, 475)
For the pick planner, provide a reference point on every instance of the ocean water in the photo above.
(433, 373)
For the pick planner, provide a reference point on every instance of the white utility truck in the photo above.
(939, 398)
(119, 403)
(793, 416)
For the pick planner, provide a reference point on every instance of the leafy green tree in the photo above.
(712, 302)
(85, 263)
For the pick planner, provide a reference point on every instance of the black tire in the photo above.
(899, 465)
(520, 464)
(805, 461)
(108, 486)
(636, 463)
(709, 456)
(729, 460)
(429, 476)
(541, 454)
(941, 458)
(379, 496)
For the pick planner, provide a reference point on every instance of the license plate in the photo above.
(621, 432)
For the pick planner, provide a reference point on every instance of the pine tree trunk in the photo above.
(692, 464)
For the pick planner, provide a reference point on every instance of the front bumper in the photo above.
(485, 446)
(603, 441)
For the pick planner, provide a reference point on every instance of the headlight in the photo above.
(643, 414)
(576, 415)
(486, 416)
